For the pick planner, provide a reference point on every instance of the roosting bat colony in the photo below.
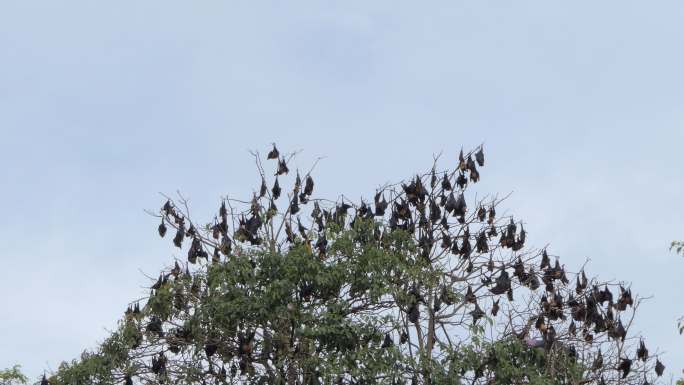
(422, 285)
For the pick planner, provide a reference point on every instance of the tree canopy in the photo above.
(422, 284)
(12, 376)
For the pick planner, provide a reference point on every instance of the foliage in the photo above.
(12, 376)
(420, 287)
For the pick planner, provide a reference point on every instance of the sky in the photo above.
(105, 105)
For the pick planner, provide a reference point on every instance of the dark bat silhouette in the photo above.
(288, 232)
(282, 167)
(479, 157)
(481, 243)
(495, 308)
(273, 154)
(162, 228)
(491, 215)
(294, 204)
(466, 248)
(625, 366)
(509, 294)
(470, 296)
(308, 185)
(380, 207)
(387, 342)
(545, 262)
(659, 368)
(461, 206)
(461, 180)
(503, 283)
(642, 352)
(446, 241)
(446, 184)
(450, 204)
(263, 188)
(414, 313)
(302, 230)
(481, 214)
(435, 212)
(477, 313)
(276, 189)
(222, 210)
(210, 348)
(180, 234)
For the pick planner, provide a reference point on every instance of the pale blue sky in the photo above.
(105, 104)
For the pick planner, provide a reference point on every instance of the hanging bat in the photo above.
(180, 234)
(387, 342)
(276, 189)
(479, 157)
(470, 296)
(503, 283)
(162, 228)
(642, 352)
(294, 205)
(403, 338)
(263, 188)
(625, 366)
(659, 368)
(477, 313)
(545, 262)
(460, 208)
(495, 308)
(273, 154)
(210, 348)
(380, 207)
(282, 167)
(308, 185)
(414, 313)
(481, 243)
(598, 361)
(446, 184)
(461, 181)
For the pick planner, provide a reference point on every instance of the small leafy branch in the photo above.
(12, 376)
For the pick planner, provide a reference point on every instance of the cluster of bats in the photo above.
(431, 207)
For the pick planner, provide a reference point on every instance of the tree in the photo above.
(421, 286)
(12, 376)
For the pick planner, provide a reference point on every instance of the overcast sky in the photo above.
(105, 104)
